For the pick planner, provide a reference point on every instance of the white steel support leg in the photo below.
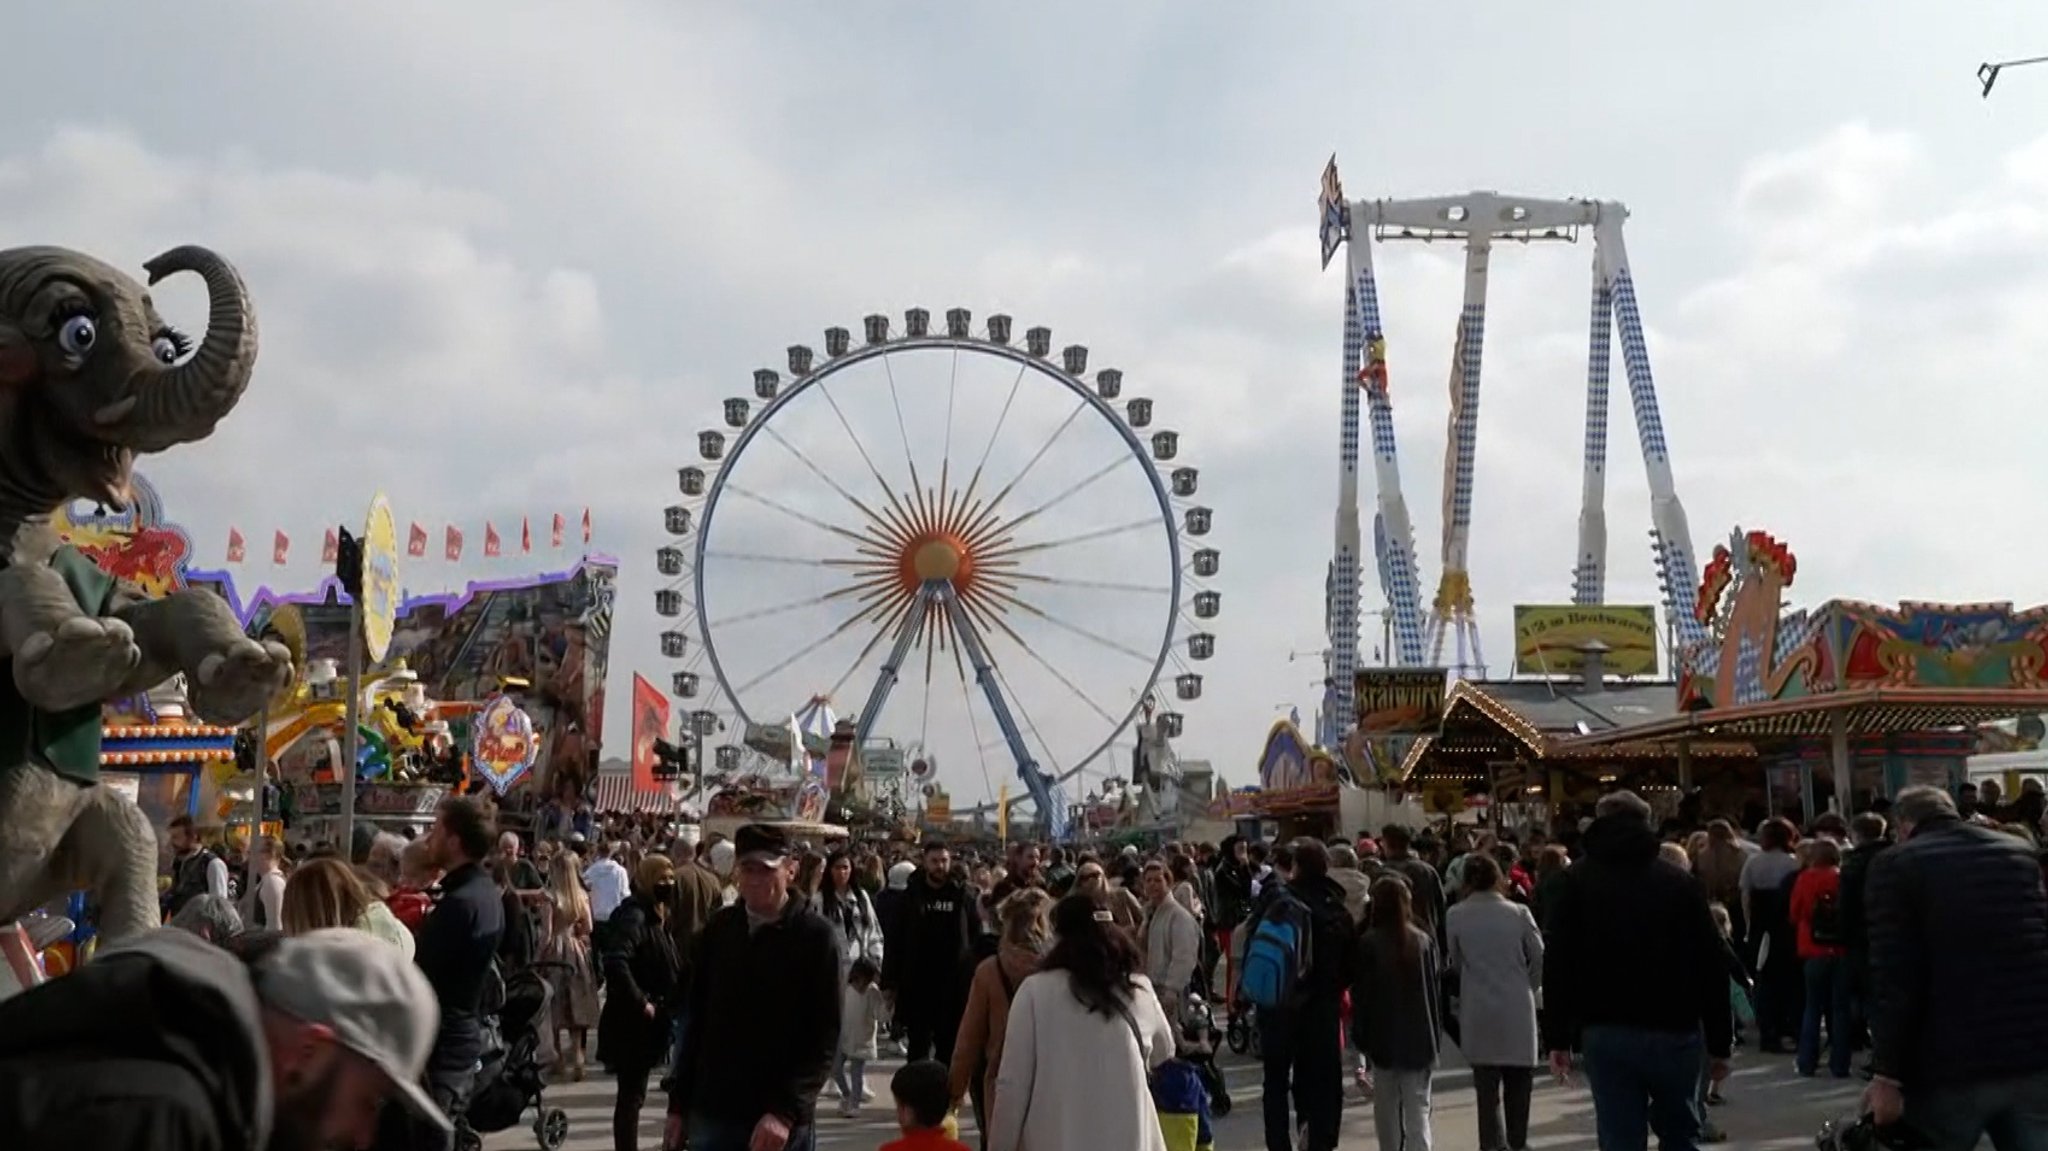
(1589, 577)
(1453, 606)
(1677, 568)
(1393, 535)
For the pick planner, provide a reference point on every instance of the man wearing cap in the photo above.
(763, 1011)
(170, 1043)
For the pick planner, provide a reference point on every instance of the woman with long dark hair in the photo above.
(1394, 1015)
(1083, 1036)
(852, 915)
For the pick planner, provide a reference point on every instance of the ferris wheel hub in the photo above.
(937, 557)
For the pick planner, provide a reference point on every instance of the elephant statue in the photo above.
(90, 375)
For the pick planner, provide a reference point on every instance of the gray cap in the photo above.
(367, 992)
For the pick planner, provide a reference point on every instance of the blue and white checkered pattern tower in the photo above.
(1478, 220)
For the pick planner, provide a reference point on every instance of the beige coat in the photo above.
(986, 1018)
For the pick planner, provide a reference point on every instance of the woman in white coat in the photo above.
(852, 915)
(1497, 953)
(1083, 1037)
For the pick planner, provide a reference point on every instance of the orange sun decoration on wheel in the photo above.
(935, 537)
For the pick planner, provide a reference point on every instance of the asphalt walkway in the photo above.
(1768, 1107)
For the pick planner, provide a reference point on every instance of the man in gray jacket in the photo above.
(1173, 941)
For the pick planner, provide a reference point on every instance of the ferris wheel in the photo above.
(960, 542)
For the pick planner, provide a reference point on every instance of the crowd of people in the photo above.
(1065, 998)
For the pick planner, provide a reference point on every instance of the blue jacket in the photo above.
(1183, 1105)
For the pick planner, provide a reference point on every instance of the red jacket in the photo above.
(1807, 890)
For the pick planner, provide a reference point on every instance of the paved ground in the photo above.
(1768, 1107)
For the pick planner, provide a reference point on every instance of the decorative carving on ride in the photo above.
(1754, 655)
(90, 377)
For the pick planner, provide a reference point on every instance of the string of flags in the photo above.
(417, 540)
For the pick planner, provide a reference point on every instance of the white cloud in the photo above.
(1845, 352)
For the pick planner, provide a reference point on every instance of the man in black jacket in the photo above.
(458, 941)
(1300, 1044)
(763, 1010)
(1633, 975)
(1958, 927)
(927, 964)
(169, 1043)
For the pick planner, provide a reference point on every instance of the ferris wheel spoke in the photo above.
(859, 615)
(1077, 487)
(1086, 584)
(995, 502)
(1015, 550)
(1004, 627)
(767, 558)
(1027, 607)
(791, 606)
(1051, 764)
(897, 617)
(902, 433)
(1002, 417)
(805, 517)
(887, 526)
(888, 492)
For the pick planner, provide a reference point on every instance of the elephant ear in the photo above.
(18, 364)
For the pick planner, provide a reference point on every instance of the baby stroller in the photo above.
(1241, 1028)
(1198, 1046)
(511, 1078)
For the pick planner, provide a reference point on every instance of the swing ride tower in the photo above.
(1480, 222)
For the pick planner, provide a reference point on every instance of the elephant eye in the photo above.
(170, 346)
(77, 335)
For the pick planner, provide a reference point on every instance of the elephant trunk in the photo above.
(185, 402)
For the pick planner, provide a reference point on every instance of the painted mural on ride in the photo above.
(1755, 654)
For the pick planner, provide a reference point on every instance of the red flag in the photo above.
(280, 548)
(525, 534)
(237, 547)
(416, 541)
(650, 722)
(492, 547)
(330, 548)
(453, 550)
(555, 536)
(586, 525)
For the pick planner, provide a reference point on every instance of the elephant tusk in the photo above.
(114, 413)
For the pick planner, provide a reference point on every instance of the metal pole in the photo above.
(351, 739)
(262, 758)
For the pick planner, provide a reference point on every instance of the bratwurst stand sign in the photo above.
(1400, 701)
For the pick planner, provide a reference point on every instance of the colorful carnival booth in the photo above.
(1851, 701)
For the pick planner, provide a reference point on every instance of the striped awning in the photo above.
(615, 793)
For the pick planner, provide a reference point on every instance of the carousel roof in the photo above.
(1865, 711)
(1551, 720)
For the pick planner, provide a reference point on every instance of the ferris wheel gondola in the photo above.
(941, 514)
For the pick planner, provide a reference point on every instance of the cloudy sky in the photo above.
(510, 255)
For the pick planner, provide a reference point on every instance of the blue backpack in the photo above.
(1276, 956)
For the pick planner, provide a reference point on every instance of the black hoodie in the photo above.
(1630, 943)
(155, 1045)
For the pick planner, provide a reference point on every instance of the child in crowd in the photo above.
(1182, 1098)
(924, 1107)
(861, 1008)
(1739, 1004)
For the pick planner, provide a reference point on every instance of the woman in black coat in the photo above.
(641, 969)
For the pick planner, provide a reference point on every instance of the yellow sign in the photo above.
(1399, 700)
(381, 589)
(1548, 640)
(1003, 814)
(938, 809)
